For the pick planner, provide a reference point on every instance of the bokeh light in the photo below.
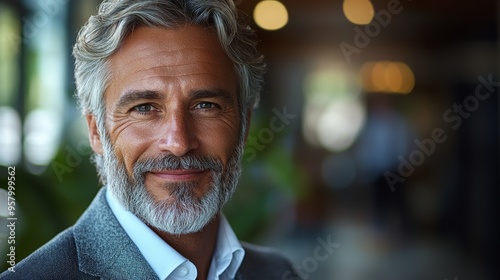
(10, 129)
(358, 11)
(333, 110)
(42, 130)
(340, 124)
(387, 77)
(270, 15)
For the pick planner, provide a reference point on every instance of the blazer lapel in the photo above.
(239, 276)
(104, 248)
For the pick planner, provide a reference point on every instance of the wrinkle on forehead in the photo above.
(204, 44)
(151, 55)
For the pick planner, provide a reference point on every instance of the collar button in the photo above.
(183, 271)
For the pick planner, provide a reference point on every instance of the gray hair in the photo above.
(104, 33)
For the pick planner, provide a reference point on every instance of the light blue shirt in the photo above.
(170, 264)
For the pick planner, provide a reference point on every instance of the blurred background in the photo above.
(377, 137)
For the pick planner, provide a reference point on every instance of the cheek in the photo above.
(221, 140)
(131, 144)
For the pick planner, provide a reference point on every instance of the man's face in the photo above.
(172, 119)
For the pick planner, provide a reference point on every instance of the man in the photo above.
(167, 88)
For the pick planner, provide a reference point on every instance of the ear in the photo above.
(249, 117)
(94, 137)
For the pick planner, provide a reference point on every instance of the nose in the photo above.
(178, 135)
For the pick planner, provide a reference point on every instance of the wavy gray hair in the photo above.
(104, 33)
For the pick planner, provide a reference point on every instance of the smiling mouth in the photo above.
(179, 174)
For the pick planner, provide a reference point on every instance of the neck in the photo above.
(197, 247)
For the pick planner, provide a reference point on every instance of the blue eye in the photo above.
(205, 105)
(144, 108)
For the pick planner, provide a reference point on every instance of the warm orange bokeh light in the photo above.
(358, 11)
(387, 76)
(270, 15)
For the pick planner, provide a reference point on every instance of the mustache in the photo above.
(170, 162)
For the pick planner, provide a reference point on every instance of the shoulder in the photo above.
(265, 263)
(57, 259)
(256, 253)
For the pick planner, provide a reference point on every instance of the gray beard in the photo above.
(187, 214)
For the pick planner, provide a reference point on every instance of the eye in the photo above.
(206, 105)
(143, 108)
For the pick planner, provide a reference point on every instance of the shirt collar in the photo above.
(164, 260)
(228, 254)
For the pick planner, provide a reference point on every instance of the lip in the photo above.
(179, 174)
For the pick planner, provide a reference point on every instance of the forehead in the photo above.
(153, 58)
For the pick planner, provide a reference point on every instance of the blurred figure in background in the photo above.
(386, 136)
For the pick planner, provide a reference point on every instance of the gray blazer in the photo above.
(97, 247)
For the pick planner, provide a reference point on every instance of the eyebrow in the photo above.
(134, 96)
(217, 93)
